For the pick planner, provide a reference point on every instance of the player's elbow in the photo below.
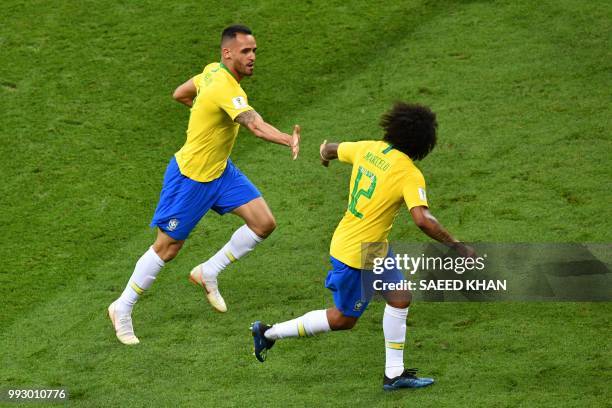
(177, 95)
(422, 218)
(427, 225)
(424, 226)
(422, 222)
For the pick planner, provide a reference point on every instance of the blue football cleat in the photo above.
(261, 343)
(408, 379)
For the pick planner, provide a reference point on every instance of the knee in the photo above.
(264, 227)
(171, 253)
(167, 251)
(269, 226)
(343, 324)
(346, 324)
(399, 304)
(399, 299)
(337, 321)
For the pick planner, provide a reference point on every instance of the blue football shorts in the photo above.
(353, 289)
(183, 201)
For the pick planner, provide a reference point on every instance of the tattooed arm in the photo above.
(255, 123)
(432, 227)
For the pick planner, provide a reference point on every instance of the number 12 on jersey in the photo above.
(357, 192)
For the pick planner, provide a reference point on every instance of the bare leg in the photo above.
(166, 247)
(257, 216)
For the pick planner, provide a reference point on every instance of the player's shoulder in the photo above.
(224, 81)
(377, 148)
(364, 143)
(359, 145)
(212, 68)
(410, 171)
(357, 151)
(218, 82)
(403, 164)
(216, 75)
(206, 78)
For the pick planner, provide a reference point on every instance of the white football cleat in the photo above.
(211, 288)
(122, 322)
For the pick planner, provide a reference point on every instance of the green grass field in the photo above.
(87, 125)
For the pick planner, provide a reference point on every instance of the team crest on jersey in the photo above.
(173, 224)
(239, 102)
(358, 306)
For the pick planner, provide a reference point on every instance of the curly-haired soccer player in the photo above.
(383, 178)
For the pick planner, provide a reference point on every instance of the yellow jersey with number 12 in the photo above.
(382, 180)
(212, 131)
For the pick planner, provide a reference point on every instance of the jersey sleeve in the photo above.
(197, 80)
(414, 190)
(232, 101)
(347, 151)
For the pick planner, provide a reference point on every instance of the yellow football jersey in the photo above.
(212, 131)
(382, 180)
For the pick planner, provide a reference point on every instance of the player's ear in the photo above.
(226, 53)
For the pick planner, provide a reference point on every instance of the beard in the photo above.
(244, 70)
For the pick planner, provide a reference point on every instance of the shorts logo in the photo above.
(239, 102)
(358, 306)
(173, 224)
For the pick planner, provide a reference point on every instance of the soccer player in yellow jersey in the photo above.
(384, 178)
(201, 176)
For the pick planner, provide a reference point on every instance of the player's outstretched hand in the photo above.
(324, 162)
(295, 142)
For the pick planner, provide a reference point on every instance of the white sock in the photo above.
(394, 328)
(242, 242)
(147, 268)
(311, 323)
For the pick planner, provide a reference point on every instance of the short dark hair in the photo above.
(411, 129)
(231, 31)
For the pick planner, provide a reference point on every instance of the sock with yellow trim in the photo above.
(242, 242)
(394, 328)
(311, 323)
(147, 268)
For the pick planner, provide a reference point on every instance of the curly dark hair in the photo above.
(411, 129)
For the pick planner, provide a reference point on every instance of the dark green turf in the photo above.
(87, 125)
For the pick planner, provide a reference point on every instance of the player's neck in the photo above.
(232, 71)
